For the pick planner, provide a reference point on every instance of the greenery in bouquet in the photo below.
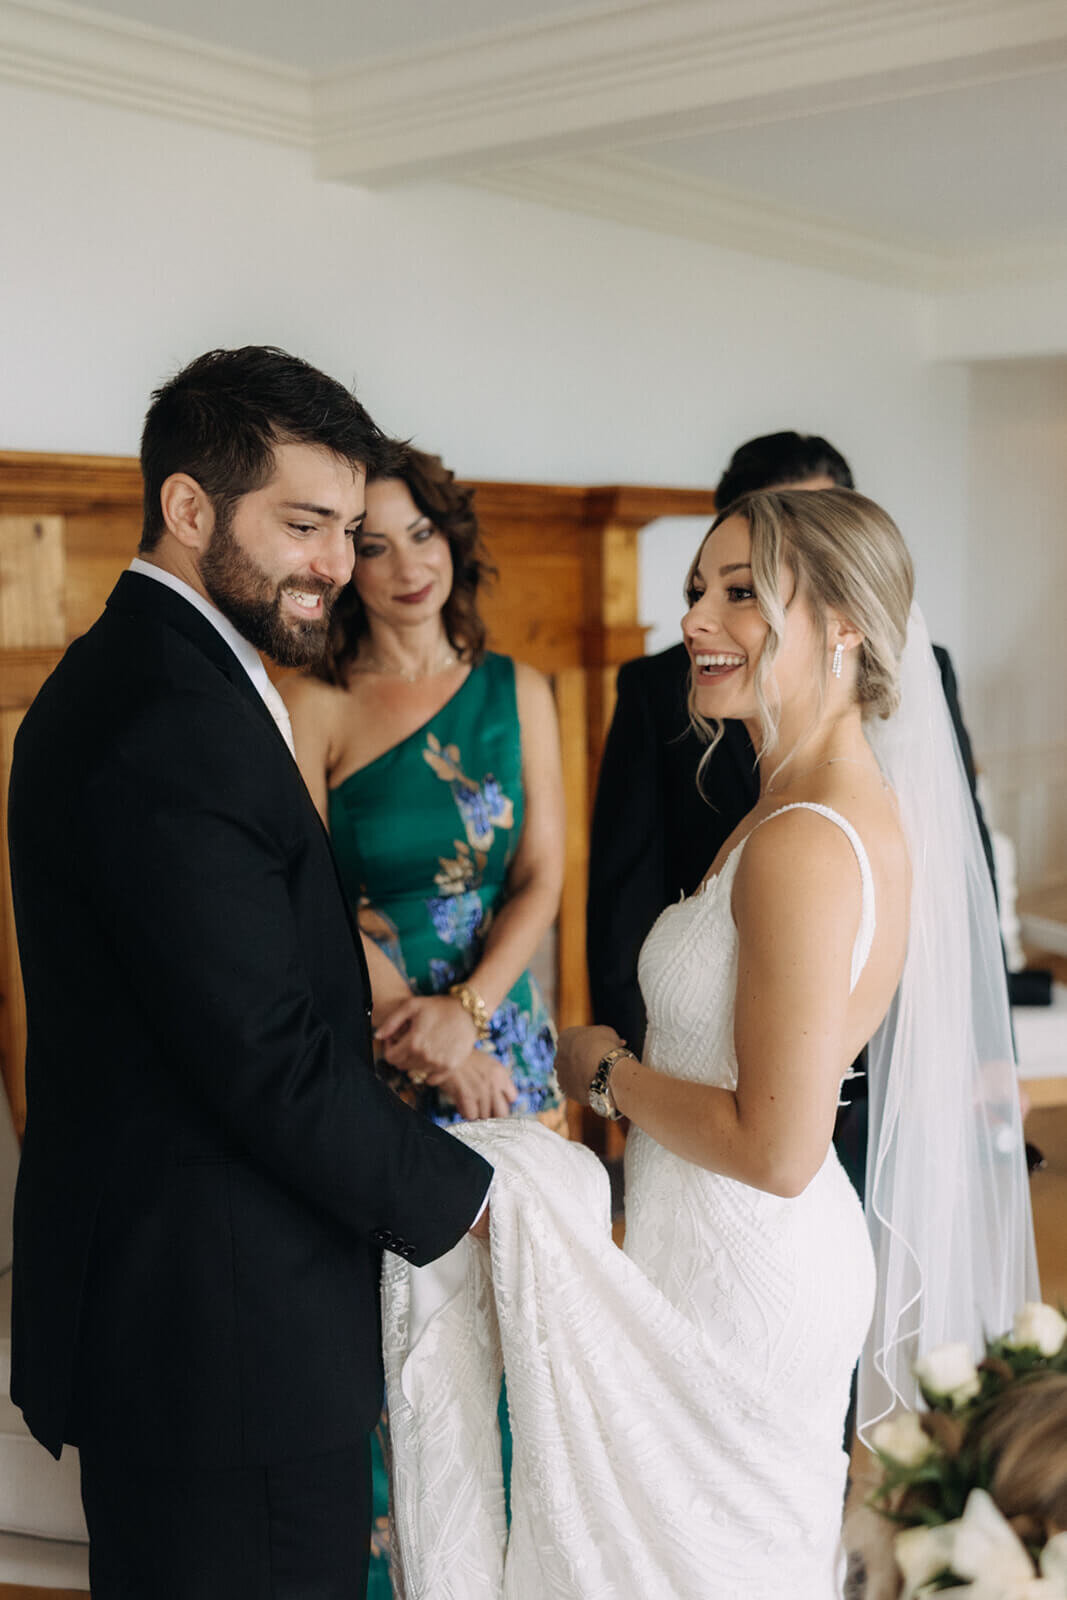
(977, 1484)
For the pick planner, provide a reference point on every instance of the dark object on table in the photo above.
(1031, 988)
(1036, 1160)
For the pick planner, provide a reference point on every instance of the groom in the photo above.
(211, 1169)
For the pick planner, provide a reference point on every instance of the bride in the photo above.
(679, 1408)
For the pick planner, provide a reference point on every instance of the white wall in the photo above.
(1016, 604)
(1021, 318)
(519, 341)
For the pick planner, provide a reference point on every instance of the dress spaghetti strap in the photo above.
(865, 936)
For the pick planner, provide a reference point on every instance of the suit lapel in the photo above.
(146, 597)
(143, 596)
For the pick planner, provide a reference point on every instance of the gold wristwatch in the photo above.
(600, 1096)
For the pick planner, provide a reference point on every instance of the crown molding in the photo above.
(608, 75)
(663, 69)
(545, 112)
(76, 51)
(641, 194)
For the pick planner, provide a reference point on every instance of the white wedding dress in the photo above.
(677, 1408)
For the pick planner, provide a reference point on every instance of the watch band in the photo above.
(601, 1098)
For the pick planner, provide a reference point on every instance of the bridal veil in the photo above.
(947, 1196)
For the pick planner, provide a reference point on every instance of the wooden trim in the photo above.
(39, 482)
(635, 505)
(20, 1591)
(36, 484)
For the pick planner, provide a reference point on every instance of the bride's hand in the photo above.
(578, 1055)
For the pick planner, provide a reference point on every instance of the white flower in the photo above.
(922, 1553)
(983, 1548)
(1038, 1327)
(949, 1373)
(988, 1551)
(902, 1439)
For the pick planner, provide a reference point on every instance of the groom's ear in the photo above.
(187, 511)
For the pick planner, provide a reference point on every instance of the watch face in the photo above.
(602, 1104)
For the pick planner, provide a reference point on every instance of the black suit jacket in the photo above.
(211, 1167)
(654, 837)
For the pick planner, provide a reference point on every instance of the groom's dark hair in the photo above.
(776, 460)
(220, 418)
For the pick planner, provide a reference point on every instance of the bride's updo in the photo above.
(846, 555)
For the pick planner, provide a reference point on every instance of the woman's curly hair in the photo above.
(450, 507)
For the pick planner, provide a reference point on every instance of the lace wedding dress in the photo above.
(677, 1408)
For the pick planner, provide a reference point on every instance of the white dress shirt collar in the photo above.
(246, 653)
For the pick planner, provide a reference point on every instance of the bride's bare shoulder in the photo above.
(795, 853)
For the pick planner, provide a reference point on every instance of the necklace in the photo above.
(447, 659)
(848, 761)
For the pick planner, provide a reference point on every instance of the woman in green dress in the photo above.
(435, 765)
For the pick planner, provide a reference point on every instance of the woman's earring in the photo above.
(839, 656)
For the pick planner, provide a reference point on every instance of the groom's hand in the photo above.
(578, 1054)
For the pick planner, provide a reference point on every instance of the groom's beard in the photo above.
(252, 601)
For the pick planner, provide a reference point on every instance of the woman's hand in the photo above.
(480, 1087)
(578, 1055)
(427, 1035)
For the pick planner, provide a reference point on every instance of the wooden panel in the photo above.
(566, 601)
(22, 673)
(32, 576)
(12, 998)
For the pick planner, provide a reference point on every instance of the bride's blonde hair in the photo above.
(846, 555)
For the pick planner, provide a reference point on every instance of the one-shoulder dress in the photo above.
(424, 837)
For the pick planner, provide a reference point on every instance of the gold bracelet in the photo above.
(475, 1007)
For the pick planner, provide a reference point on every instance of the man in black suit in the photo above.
(653, 836)
(211, 1168)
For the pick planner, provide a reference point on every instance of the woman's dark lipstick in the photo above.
(416, 598)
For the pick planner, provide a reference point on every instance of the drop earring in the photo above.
(839, 656)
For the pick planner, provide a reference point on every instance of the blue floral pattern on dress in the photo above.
(456, 917)
(483, 807)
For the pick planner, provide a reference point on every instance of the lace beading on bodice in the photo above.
(688, 968)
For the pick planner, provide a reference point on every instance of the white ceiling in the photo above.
(921, 142)
(324, 35)
(974, 165)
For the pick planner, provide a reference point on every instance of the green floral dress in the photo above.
(424, 837)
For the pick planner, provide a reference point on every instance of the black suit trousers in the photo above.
(296, 1531)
